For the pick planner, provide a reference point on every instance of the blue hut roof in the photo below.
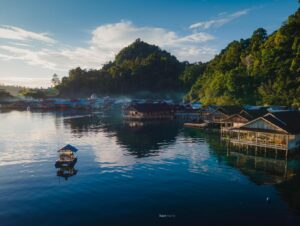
(68, 147)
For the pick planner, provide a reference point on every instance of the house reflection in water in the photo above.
(283, 175)
(66, 172)
(135, 124)
(262, 170)
(143, 139)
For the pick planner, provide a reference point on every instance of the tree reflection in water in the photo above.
(141, 139)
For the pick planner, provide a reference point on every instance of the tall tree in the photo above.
(55, 80)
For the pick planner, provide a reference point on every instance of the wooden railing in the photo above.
(260, 144)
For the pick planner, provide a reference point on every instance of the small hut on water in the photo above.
(67, 156)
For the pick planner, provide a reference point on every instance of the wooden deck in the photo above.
(195, 125)
(259, 144)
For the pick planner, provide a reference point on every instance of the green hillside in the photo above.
(138, 67)
(263, 69)
(260, 70)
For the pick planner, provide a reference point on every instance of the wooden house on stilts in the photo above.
(276, 130)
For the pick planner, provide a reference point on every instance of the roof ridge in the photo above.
(271, 114)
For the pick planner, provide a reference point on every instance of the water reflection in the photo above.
(147, 138)
(83, 124)
(281, 174)
(289, 191)
(262, 170)
(140, 139)
(25, 142)
(160, 166)
(66, 172)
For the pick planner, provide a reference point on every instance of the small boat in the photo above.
(66, 156)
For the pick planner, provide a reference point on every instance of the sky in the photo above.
(40, 38)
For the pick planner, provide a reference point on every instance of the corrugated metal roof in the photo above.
(68, 147)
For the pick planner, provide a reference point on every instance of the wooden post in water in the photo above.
(266, 150)
(285, 169)
(287, 146)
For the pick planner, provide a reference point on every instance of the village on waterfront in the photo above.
(130, 113)
(272, 128)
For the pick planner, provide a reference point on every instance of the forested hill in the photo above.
(263, 69)
(260, 70)
(138, 67)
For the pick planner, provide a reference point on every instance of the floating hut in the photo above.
(66, 156)
(145, 111)
(277, 130)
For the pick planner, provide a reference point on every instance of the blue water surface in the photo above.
(133, 173)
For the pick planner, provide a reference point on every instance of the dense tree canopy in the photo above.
(260, 70)
(4, 94)
(138, 67)
(191, 73)
(34, 93)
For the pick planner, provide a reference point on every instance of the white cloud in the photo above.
(15, 33)
(219, 22)
(111, 38)
(196, 38)
(28, 81)
(19, 44)
(105, 42)
(30, 56)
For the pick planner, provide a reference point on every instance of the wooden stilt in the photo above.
(265, 151)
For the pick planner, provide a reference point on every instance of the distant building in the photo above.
(196, 105)
(93, 96)
(277, 130)
(146, 111)
(218, 114)
(187, 113)
(243, 117)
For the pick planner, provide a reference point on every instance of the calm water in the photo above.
(133, 174)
